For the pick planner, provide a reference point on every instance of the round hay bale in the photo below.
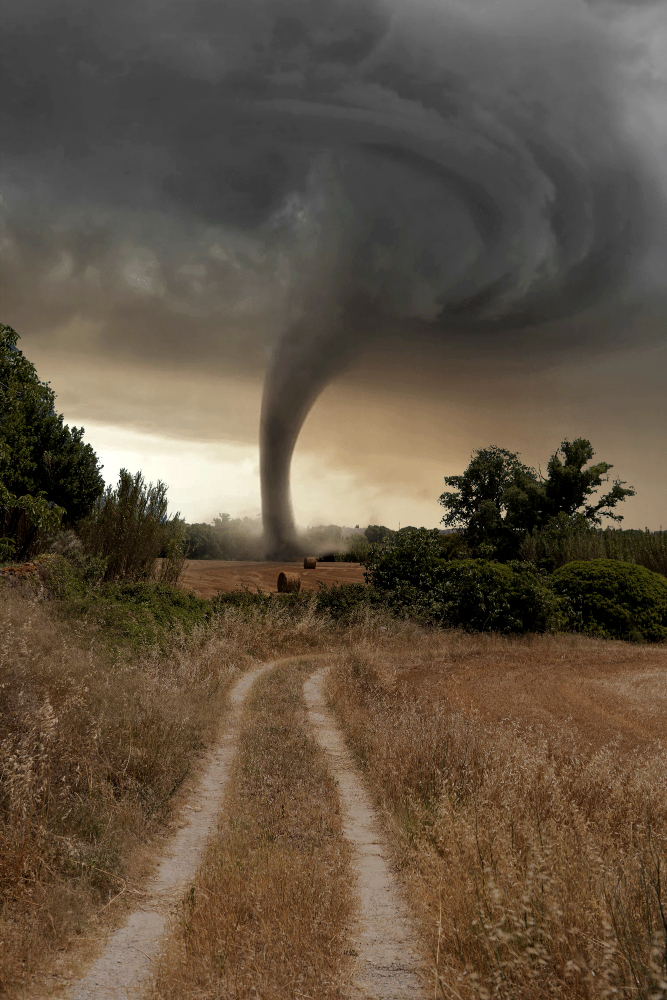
(289, 583)
(309, 562)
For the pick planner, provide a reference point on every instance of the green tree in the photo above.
(493, 502)
(498, 500)
(570, 488)
(377, 533)
(40, 456)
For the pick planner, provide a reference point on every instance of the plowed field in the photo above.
(207, 577)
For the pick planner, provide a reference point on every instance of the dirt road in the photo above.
(382, 938)
(387, 957)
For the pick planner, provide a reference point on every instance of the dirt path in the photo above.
(124, 965)
(384, 940)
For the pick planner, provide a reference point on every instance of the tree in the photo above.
(377, 533)
(40, 456)
(492, 502)
(22, 520)
(498, 500)
(569, 486)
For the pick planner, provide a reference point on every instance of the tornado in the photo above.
(286, 185)
(480, 175)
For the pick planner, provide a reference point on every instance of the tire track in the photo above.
(388, 958)
(124, 966)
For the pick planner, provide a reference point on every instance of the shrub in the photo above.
(130, 527)
(473, 594)
(614, 600)
(408, 560)
(481, 596)
(136, 613)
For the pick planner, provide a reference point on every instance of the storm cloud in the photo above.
(287, 186)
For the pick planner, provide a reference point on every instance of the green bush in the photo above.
(613, 600)
(141, 614)
(409, 571)
(408, 560)
(482, 596)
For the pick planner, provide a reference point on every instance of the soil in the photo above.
(207, 577)
(387, 956)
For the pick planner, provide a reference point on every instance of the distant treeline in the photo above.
(242, 538)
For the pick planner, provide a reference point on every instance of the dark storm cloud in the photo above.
(197, 176)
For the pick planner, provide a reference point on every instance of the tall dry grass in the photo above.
(267, 914)
(94, 746)
(525, 783)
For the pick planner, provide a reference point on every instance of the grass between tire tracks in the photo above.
(267, 916)
(524, 784)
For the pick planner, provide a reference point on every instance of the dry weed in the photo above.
(526, 785)
(93, 748)
(266, 917)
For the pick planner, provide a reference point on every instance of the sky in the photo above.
(436, 225)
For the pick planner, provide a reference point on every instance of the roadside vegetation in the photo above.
(109, 696)
(96, 737)
(523, 785)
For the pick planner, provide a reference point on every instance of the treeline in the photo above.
(242, 538)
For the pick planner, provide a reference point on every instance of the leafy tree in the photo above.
(377, 533)
(569, 486)
(493, 502)
(22, 520)
(39, 454)
(498, 500)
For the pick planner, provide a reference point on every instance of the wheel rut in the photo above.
(124, 966)
(388, 958)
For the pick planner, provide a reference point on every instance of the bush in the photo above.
(409, 560)
(139, 614)
(484, 596)
(414, 578)
(129, 528)
(613, 600)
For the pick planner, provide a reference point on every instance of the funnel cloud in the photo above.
(339, 175)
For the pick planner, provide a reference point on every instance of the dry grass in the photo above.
(268, 912)
(91, 753)
(93, 748)
(525, 784)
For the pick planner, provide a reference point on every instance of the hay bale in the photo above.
(289, 583)
(309, 562)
